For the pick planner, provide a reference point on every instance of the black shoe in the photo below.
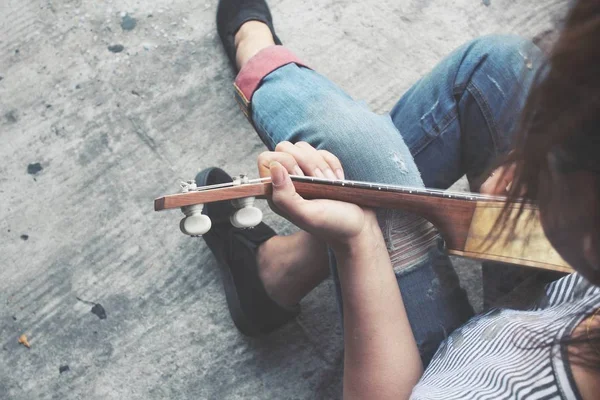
(251, 308)
(231, 14)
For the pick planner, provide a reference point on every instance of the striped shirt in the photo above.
(500, 354)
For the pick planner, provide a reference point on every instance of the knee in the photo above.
(501, 69)
(367, 144)
(508, 52)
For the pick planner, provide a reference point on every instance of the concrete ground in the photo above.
(89, 137)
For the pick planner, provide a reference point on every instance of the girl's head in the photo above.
(558, 148)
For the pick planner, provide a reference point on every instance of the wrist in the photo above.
(369, 240)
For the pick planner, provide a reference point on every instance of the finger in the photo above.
(500, 181)
(318, 159)
(285, 159)
(507, 175)
(334, 163)
(510, 179)
(308, 159)
(286, 199)
(510, 171)
(490, 184)
(495, 185)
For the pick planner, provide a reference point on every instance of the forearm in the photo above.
(381, 356)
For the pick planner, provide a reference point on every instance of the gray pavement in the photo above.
(89, 137)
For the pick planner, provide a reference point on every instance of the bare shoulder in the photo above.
(586, 379)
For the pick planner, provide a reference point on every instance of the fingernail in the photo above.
(318, 173)
(298, 171)
(339, 173)
(277, 174)
(329, 174)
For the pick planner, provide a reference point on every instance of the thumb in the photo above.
(282, 184)
(284, 192)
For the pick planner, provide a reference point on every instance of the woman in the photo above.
(400, 294)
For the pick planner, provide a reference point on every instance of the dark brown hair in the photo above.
(563, 108)
(561, 118)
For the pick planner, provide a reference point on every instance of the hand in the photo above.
(500, 181)
(337, 223)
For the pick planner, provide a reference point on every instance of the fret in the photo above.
(399, 189)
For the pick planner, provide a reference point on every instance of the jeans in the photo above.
(454, 121)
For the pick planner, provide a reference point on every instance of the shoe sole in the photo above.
(233, 300)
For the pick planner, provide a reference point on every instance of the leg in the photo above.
(299, 116)
(462, 115)
(294, 103)
(289, 266)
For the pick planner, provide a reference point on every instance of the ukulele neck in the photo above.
(465, 220)
(450, 212)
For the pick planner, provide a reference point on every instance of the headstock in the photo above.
(197, 224)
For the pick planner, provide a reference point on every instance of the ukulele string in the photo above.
(364, 185)
(401, 189)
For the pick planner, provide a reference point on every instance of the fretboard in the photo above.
(399, 189)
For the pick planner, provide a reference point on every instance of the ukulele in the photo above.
(465, 220)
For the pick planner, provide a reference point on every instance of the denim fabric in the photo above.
(453, 121)
(460, 116)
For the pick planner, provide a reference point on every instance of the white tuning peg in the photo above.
(247, 216)
(195, 223)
